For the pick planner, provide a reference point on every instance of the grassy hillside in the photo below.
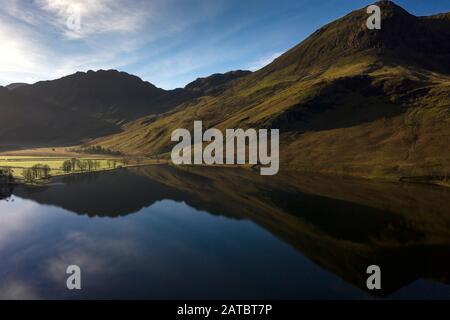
(347, 100)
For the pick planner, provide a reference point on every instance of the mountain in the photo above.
(26, 121)
(88, 105)
(13, 86)
(109, 95)
(403, 38)
(347, 100)
(119, 97)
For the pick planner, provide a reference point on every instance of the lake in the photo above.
(161, 232)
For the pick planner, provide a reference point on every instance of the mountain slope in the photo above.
(108, 95)
(26, 121)
(118, 96)
(403, 38)
(346, 100)
(82, 106)
(215, 83)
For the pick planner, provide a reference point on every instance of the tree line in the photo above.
(74, 164)
(98, 150)
(42, 171)
(87, 165)
(36, 172)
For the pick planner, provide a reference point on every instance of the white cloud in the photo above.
(35, 43)
(29, 51)
(25, 57)
(96, 17)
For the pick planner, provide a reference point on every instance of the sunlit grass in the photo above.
(18, 163)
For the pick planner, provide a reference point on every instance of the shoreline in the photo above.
(44, 182)
(432, 180)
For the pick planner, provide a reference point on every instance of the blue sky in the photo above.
(166, 42)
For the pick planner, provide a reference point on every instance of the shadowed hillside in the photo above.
(106, 94)
(26, 121)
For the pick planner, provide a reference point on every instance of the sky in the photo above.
(166, 42)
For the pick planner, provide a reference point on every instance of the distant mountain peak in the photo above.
(403, 38)
(391, 10)
(104, 74)
(388, 4)
(16, 85)
(106, 94)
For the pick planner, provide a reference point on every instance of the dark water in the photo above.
(160, 232)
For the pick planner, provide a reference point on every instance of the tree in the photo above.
(40, 171)
(90, 164)
(28, 175)
(83, 165)
(6, 176)
(6, 181)
(73, 163)
(76, 163)
(46, 171)
(67, 166)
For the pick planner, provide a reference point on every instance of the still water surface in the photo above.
(165, 233)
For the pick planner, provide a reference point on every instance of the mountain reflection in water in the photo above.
(340, 225)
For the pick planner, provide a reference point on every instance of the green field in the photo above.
(18, 163)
